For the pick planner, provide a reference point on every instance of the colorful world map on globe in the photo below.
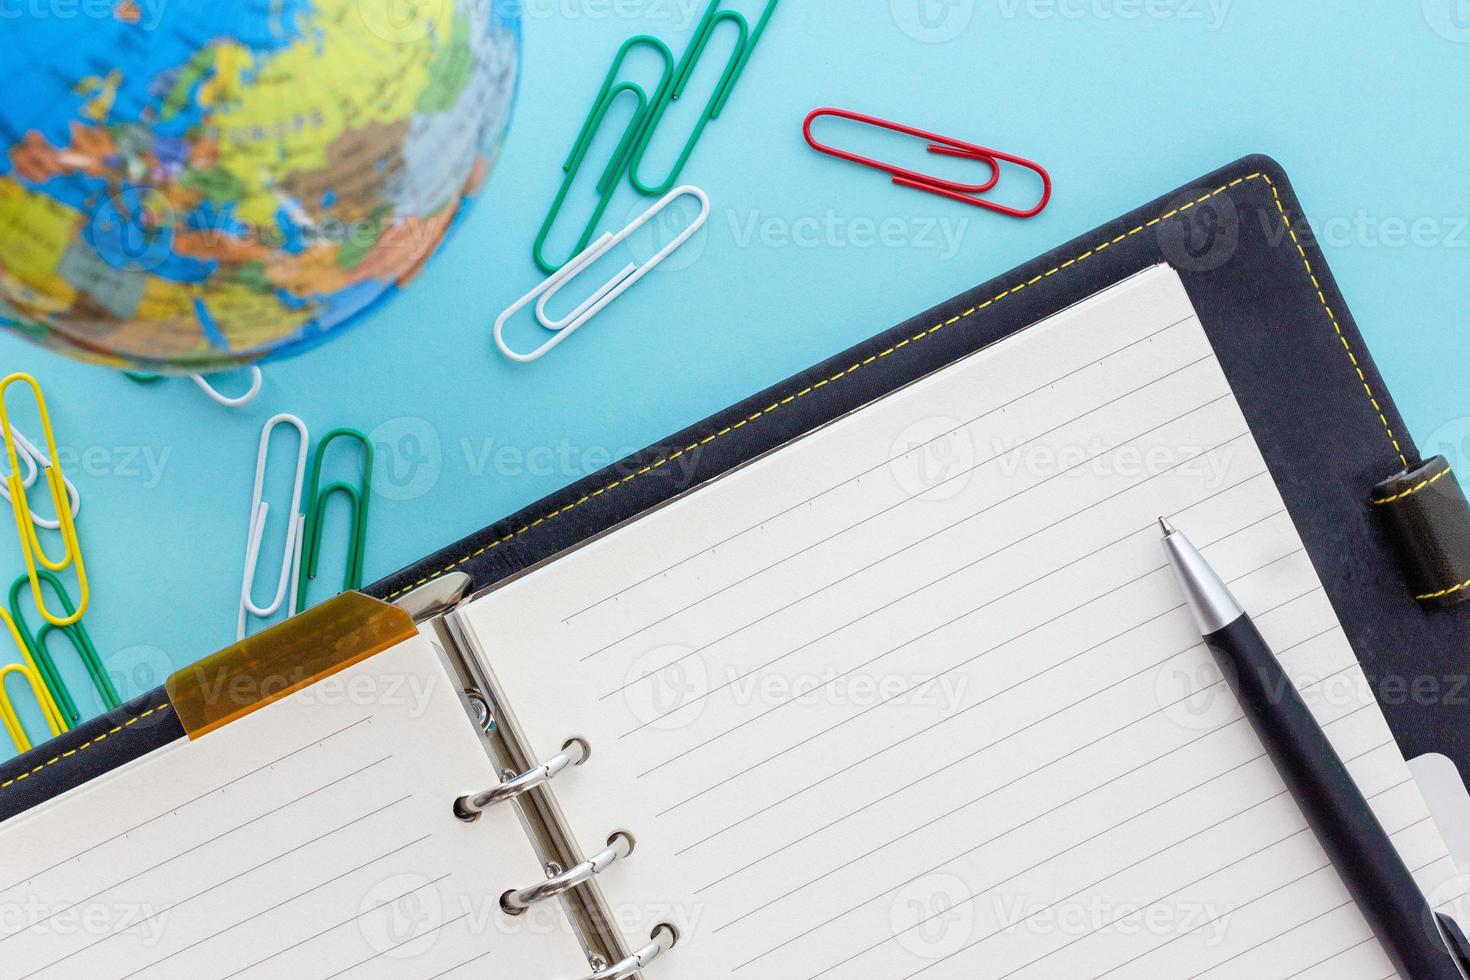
(194, 184)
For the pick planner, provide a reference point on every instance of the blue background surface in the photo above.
(1123, 100)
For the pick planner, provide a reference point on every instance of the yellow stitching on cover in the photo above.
(83, 747)
(1322, 296)
(1413, 490)
(664, 461)
(1441, 594)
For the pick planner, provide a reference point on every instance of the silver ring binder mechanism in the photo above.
(574, 753)
(432, 608)
(664, 938)
(518, 901)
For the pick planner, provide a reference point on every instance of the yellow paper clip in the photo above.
(30, 544)
(9, 717)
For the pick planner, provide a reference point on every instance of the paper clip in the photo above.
(34, 460)
(30, 543)
(38, 644)
(257, 381)
(943, 146)
(609, 291)
(610, 92)
(288, 581)
(9, 717)
(358, 498)
(746, 42)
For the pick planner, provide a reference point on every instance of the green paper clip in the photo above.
(610, 92)
(746, 42)
(316, 508)
(38, 643)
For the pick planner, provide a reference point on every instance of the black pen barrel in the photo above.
(1345, 824)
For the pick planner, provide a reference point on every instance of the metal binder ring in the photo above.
(664, 938)
(619, 846)
(574, 753)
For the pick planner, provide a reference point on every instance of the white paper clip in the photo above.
(257, 379)
(35, 460)
(295, 529)
(609, 291)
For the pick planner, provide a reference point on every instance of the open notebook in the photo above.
(914, 695)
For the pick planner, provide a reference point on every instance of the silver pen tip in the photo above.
(1166, 527)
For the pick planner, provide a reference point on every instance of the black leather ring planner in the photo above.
(1318, 408)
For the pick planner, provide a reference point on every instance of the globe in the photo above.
(190, 185)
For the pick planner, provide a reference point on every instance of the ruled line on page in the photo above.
(1328, 959)
(455, 969)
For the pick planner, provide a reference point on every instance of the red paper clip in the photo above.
(945, 146)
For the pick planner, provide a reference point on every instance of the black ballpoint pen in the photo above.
(1422, 944)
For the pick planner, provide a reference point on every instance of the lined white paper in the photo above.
(917, 695)
(313, 839)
